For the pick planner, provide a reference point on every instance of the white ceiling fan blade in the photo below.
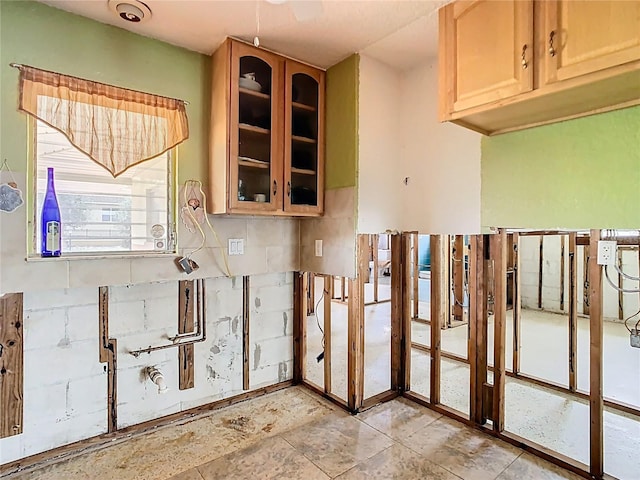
(305, 10)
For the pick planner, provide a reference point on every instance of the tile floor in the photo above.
(293, 434)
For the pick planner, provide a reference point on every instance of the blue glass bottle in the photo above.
(51, 228)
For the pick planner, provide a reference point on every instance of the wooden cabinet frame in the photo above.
(224, 133)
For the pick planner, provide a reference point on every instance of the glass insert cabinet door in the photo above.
(255, 155)
(304, 134)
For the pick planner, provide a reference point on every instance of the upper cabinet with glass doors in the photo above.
(266, 138)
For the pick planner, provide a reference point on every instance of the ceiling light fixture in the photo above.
(132, 11)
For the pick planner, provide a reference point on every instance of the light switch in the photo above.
(318, 248)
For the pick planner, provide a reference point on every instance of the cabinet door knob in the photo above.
(524, 59)
(552, 50)
(288, 189)
(275, 188)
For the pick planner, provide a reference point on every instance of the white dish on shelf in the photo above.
(249, 84)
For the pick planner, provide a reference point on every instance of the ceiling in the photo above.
(398, 32)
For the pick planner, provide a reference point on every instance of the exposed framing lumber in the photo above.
(299, 326)
(355, 331)
(531, 447)
(396, 312)
(573, 313)
(585, 280)
(311, 285)
(540, 264)
(327, 333)
(186, 298)
(499, 256)
(595, 360)
(343, 289)
(246, 295)
(415, 270)
(458, 277)
(517, 304)
(11, 364)
(562, 262)
(609, 403)
(406, 282)
(478, 324)
(328, 395)
(440, 304)
(89, 444)
(621, 283)
(376, 268)
(108, 352)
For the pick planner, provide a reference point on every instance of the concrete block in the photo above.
(44, 403)
(270, 352)
(59, 298)
(126, 318)
(11, 449)
(51, 366)
(271, 299)
(44, 328)
(82, 322)
(162, 313)
(87, 395)
(271, 325)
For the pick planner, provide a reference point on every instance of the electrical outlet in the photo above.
(607, 252)
(318, 248)
(635, 338)
(236, 246)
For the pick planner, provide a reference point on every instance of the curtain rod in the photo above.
(20, 66)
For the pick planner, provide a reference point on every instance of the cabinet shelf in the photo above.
(303, 106)
(253, 93)
(245, 163)
(252, 128)
(302, 171)
(303, 139)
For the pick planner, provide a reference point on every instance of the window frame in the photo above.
(32, 208)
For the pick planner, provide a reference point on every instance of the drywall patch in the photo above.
(257, 302)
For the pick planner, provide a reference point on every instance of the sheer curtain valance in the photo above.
(115, 127)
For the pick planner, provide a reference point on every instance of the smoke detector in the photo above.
(130, 10)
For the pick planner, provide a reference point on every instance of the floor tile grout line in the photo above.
(511, 463)
(305, 456)
(365, 460)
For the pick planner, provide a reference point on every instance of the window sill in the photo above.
(100, 256)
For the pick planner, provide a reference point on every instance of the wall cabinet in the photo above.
(267, 134)
(515, 64)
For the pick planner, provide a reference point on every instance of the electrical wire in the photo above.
(629, 318)
(197, 224)
(626, 275)
(315, 310)
(616, 287)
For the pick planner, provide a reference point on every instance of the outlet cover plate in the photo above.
(236, 246)
(318, 248)
(607, 252)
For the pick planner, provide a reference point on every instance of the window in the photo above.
(100, 213)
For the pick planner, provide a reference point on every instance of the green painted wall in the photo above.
(342, 124)
(582, 173)
(48, 38)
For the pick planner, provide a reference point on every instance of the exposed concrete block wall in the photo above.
(529, 268)
(65, 385)
(271, 329)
